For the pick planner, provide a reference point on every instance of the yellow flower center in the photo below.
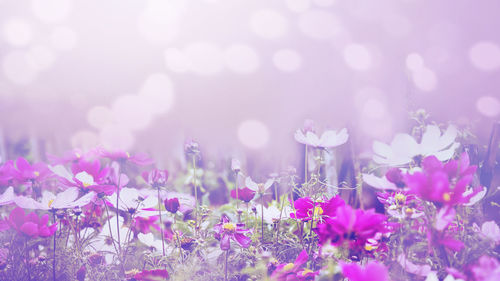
(77, 155)
(288, 267)
(446, 196)
(128, 154)
(229, 226)
(37, 173)
(369, 247)
(50, 202)
(307, 270)
(400, 198)
(409, 211)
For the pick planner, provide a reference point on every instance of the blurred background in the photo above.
(241, 76)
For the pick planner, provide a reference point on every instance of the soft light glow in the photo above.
(298, 6)
(485, 56)
(241, 59)
(287, 60)
(397, 25)
(51, 10)
(63, 38)
(374, 109)
(425, 79)
(488, 106)
(253, 134)
(116, 137)
(132, 112)
(319, 24)
(205, 58)
(268, 24)
(17, 32)
(176, 60)
(414, 62)
(160, 21)
(158, 93)
(41, 57)
(85, 140)
(324, 3)
(18, 69)
(100, 117)
(358, 57)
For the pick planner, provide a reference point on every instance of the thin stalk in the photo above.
(225, 266)
(279, 221)
(305, 166)
(310, 230)
(236, 187)
(109, 225)
(54, 249)
(161, 222)
(26, 253)
(262, 216)
(118, 211)
(195, 196)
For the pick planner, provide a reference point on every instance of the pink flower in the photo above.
(417, 269)
(487, 269)
(372, 271)
(352, 226)
(172, 205)
(156, 178)
(7, 173)
(244, 194)
(144, 225)
(294, 271)
(31, 224)
(63, 200)
(25, 172)
(225, 231)
(123, 156)
(304, 208)
(152, 275)
(7, 197)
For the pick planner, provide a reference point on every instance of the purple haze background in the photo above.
(241, 76)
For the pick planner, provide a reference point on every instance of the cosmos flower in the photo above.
(152, 275)
(235, 165)
(7, 197)
(304, 208)
(124, 156)
(135, 202)
(372, 271)
(25, 172)
(245, 194)
(401, 204)
(443, 183)
(156, 177)
(87, 176)
(352, 226)
(144, 225)
(7, 173)
(404, 148)
(63, 200)
(150, 241)
(410, 267)
(328, 139)
(225, 231)
(31, 224)
(260, 188)
(491, 230)
(294, 271)
(172, 205)
(486, 269)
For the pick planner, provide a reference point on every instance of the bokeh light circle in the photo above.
(132, 112)
(268, 24)
(51, 10)
(18, 69)
(485, 56)
(358, 57)
(204, 58)
(319, 24)
(17, 32)
(425, 79)
(41, 57)
(253, 134)
(158, 92)
(100, 117)
(63, 38)
(287, 60)
(488, 106)
(298, 6)
(176, 60)
(414, 62)
(241, 59)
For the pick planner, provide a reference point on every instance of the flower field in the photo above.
(425, 207)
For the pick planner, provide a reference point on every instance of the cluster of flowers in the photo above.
(106, 204)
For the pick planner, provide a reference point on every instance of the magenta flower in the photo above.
(244, 194)
(352, 226)
(7, 173)
(372, 271)
(401, 204)
(486, 269)
(225, 231)
(151, 275)
(444, 184)
(123, 156)
(304, 208)
(156, 178)
(31, 224)
(172, 205)
(294, 271)
(144, 225)
(25, 172)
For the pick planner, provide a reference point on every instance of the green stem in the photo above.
(161, 222)
(195, 196)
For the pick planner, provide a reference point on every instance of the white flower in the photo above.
(107, 239)
(134, 201)
(381, 183)
(7, 197)
(328, 139)
(273, 213)
(404, 147)
(150, 241)
(258, 187)
(63, 200)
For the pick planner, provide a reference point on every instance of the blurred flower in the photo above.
(144, 225)
(328, 139)
(123, 156)
(7, 173)
(150, 241)
(260, 188)
(25, 172)
(245, 194)
(226, 230)
(87, 176)
(417, 269)
(106, 241)
(235, 165)
(191, 147)
(172, 205)
(401, 204)
(63, 200)
(491, 230)
(486, 269)
(156, 178)
(152, 275)
(293, 271)
(404, 148)
(31, 224)
(372, 271)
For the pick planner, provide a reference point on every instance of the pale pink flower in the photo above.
(328, 139)
(491, 230)
(63, 200)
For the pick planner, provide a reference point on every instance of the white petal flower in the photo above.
(328, 139)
